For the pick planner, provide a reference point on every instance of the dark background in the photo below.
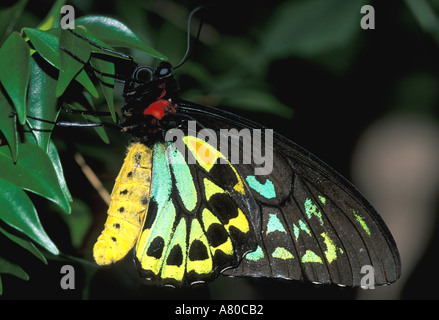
(304, 68)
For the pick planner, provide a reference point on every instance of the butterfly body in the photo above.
(129, 201)
(200, 213)
(148, 102)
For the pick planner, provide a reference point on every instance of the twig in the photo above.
(91, 176)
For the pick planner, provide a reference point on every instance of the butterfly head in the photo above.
(163, 71)
(143, 75)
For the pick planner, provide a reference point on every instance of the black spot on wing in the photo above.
(175, 257)
(198, 251)
(156, 248)
(223, 207)
(216, 234)
(151, 215)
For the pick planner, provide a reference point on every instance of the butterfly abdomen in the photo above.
(129, 202)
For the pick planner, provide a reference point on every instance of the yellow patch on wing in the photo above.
(207, 156)
(204, 153)
(209, 219)
(199, 256)
(174, 268)
(211, 188)
(240, 222)
(153, 243)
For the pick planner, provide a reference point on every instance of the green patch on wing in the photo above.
(183, 178)
(302, 226)
(311, 256)
(362, 222)
(255, 255)
(266, 190)
(274, 224)
(282, 253)
(331, 249)
(312, 210)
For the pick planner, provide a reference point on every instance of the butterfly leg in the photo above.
(77, 124)
(87, 112)
(120, 54)
(88, 67)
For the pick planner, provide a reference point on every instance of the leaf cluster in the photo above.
(41, 69)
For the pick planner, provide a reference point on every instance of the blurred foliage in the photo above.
(263, 59)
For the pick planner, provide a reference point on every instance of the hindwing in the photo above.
(197, 224)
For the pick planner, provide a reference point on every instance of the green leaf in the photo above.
(46, 44)
(116, 34)
(107, 83)
(13, 269)
(33, 172)
(53, 18)
(42, 104)
(100, 43)
(52, 152)
(424, 13)
(426, 16)
(29, 246)
(79, 222)
(8, 123)
(8, 18)
(91, 118)
(310, 27)
(15, 72)
(18, 211)
(257, 101)
(70, 66)
(84, 79)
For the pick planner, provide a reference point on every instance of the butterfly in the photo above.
(191, 210)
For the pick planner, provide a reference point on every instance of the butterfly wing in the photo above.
(313, 224)
(196, 225)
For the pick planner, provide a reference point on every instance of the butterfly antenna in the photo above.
(188, 46)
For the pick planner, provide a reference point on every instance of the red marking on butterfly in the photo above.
(158, 109)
